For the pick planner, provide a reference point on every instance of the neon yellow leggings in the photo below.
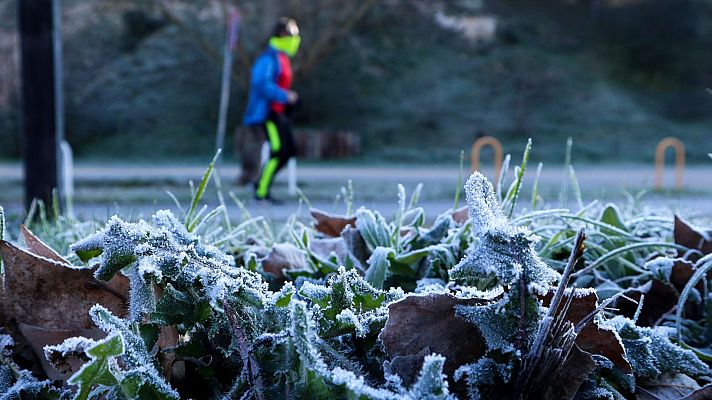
(282, 148)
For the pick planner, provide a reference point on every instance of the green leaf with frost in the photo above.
(374, 228)
(378, 265)
(101, 370)
(431, 383)
(347, 303)
(612, 215)
(652, 354)
(144, 378)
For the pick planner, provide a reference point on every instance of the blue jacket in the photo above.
(263, 88)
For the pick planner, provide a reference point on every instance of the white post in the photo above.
(67, 171)
(264, 154)
(292, 176)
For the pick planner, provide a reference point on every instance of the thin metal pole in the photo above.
(233, 27)
(61, 145)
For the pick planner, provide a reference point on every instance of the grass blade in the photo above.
(458, 189)
(535, 189)
(514, 195)
(201, 189)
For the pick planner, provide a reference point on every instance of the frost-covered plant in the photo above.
(504, 258)
(261, 343)
(178, 281)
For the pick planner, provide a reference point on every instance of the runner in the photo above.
(270, 96)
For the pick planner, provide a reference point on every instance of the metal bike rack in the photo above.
(679, 161)
(475, 154)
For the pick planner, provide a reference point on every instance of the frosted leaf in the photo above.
(146, 377)
(348, 317)
(483, 377)
(313, 291)
(661, 268)
(593, 390)
(358, 386)
(651, 353)
(283, 297)
(493, 323)
(6, 378)
(140, 364)
(503, 254)
(136, 354)
(484, 209)
(6, 343)
(378, 265)
(373, 228)
(303, 333)
(69, 346)
(26, 386)
(142, 295)
(469, 292)
(347, 302)
(430, 285)
(148, 266)
(431, 383)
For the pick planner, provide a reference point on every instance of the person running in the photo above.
(270, 96)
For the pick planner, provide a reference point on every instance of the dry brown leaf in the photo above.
(324, 248)
(38, 247)
(429, 322)
(283, 256)
(331, 225)
(38, 338)
(42, 292)
(668, 387)
(593, 338)
(356, 245)
(167, 338)
(406, 366)
(659, 300)
(691, 237)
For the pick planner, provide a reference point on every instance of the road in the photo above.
(102, 190)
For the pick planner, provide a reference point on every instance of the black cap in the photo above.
(285, 27)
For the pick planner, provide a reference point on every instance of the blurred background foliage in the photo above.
(142, 76)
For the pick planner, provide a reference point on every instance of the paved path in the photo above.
(139, 189)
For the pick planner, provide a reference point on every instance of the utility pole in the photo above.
(42, 114)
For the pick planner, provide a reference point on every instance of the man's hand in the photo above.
(292, 97)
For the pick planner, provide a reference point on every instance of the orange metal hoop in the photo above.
(475, 154)
(679, 161)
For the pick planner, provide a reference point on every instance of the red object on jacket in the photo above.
(284, 79)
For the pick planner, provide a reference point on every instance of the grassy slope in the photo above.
(431, 86)
(414, 91)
